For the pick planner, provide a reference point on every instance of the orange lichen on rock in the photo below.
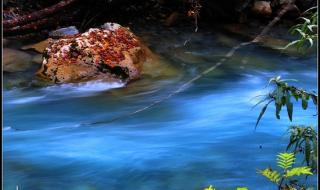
(110, 52)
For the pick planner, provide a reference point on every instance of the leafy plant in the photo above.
(307, 30)
(209, 188)
(283, 179)
(281, 96)
(242, 188)
(304, 139)
(212, 188)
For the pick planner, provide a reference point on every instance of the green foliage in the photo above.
(285, 160)
(272, 176)
(307, 30)
(212, 188)
(209, 188)
(304, 170)
(282, 95)
(304, 139)
(284, 179)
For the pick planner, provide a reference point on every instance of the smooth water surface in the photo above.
(203, 135)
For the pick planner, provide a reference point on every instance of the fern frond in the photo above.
(304, 170)
(209, 188)
(242, 188)
(285, 160)
(273, 176)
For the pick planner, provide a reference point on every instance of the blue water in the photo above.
(203, 135)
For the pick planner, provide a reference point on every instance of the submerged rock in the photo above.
(111, 52)
(15, 60)
(38, 47)
(37, 59)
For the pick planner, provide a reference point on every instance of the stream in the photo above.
(203, 135)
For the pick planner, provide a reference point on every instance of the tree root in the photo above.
(37, 15)
(44, 23)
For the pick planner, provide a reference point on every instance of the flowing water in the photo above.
(200, 136)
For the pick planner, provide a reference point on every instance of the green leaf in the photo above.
(273, 176)
(290, 44)
(285, 160)
(278, 109)
(283, 100)
(292, 141)
(304, 170)
(291, 30)
(304, 101)
(242, 188)
(301, 42)
(209, 188)
(300, 32)
(294, 94)
(289, 106)
(310, 27)
(305, 19)
(263, 110)
(271, 80)
(310, 41)
(261, 101)
(314, 99)
(279, 95)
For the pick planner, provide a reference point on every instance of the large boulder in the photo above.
(111, 52)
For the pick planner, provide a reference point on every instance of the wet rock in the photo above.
(261, 8)
(38, 47)
(14, 60)
(37, 59)
(111, 52)
(62, 32)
